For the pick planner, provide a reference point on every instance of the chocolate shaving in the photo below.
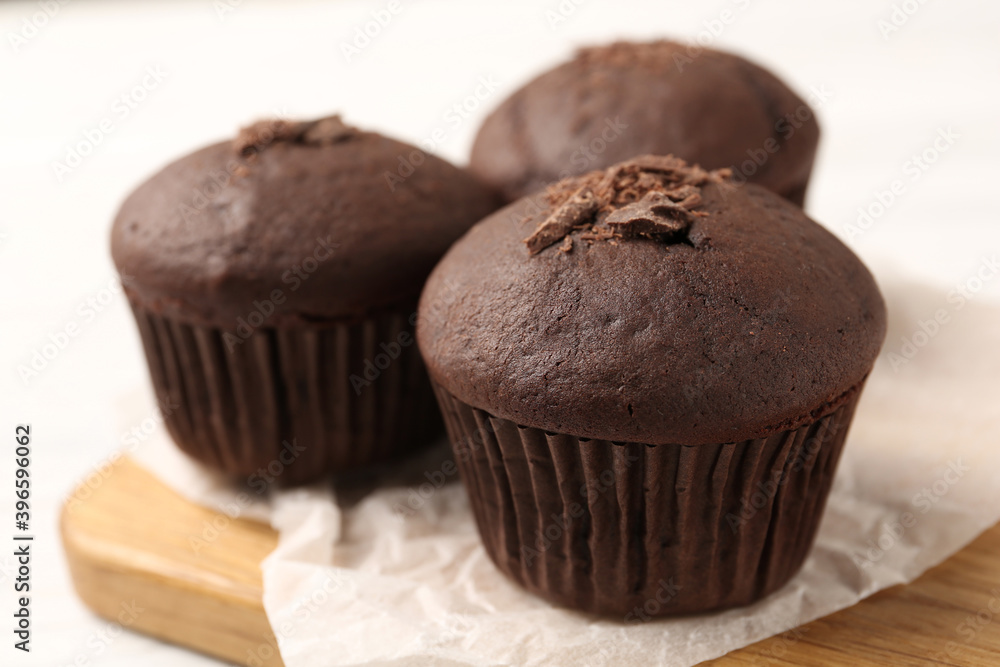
(687, 196)
(674, 166)
(605, 188)
(650, 196)
(579, 208)
(646, 181)
(598, 234)
(668, 164)
(258, 136)
(567, 245)
(653, 215)
(328, 130)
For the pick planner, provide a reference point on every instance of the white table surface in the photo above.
(890, 98)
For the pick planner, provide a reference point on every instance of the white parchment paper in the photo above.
(389, 570)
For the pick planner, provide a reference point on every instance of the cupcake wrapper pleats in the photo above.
(304, 401)
(638, 531)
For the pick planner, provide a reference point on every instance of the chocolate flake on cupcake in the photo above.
(275, 281)
(650, 196)
(616, 408)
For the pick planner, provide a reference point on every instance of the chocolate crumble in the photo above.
(580, 206)
(325, 131)
(650, 196)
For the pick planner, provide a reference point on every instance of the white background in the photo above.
(891, 95)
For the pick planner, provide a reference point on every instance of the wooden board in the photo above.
(130, 539)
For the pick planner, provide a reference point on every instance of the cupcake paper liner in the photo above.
(290, 404)
(639, 531)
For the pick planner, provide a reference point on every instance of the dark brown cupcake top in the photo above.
(651, 302)
(613, 102)
(318, 219)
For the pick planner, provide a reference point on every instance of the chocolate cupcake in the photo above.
(274, 279)
(613, 102)
(647, 383)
